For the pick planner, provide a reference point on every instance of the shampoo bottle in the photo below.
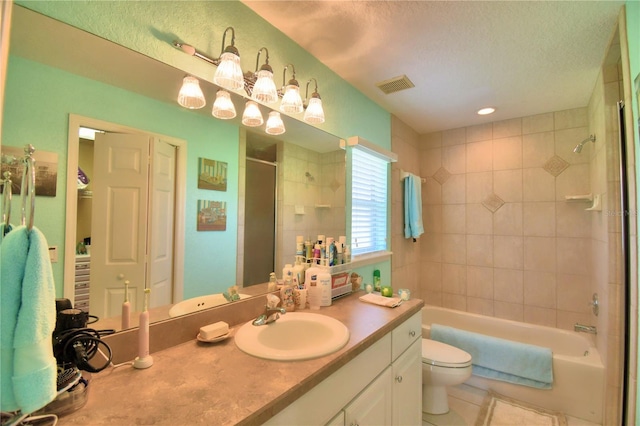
(314, 291)
(298, 273)
(286, 294)
(324, 282)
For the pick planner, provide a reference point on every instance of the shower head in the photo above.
(578, 148)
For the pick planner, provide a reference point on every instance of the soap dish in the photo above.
(214, 340)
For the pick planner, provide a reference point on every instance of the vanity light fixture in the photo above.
(291, 100)
(223, 106)
(275, 126)
(252, 116)
(264, 90)
(229, 73)
(313, 114)
(486, 111)
(190, 95)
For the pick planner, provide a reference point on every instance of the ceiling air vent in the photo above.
(395, 84)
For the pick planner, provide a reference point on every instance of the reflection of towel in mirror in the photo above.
(28, 315)
(413, 227)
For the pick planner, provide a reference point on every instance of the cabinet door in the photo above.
(407, 386)
(373, 405)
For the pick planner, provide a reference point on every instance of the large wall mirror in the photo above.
(306, 164)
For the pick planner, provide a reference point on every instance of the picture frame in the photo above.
(212, 174)
(46, 170)
(212, 215)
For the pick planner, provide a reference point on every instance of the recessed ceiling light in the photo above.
(486, 111)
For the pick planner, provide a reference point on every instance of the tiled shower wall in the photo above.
(500, 239)
(314, 183)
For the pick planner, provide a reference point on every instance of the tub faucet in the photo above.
(585, 328)
(270, 315)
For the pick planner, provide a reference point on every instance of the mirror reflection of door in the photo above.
(132, 219)
(260, 221)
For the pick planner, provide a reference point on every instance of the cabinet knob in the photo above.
(354, 424)
(399, 379)
(412, 333)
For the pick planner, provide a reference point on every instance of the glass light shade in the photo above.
(291, 101)
(252, 116)
(223, 106)
(275, 126)
(229, 74)
(314, 113)
(265, 89)
(190, 95)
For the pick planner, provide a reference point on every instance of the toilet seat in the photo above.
(442, 355)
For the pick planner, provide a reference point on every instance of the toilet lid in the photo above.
(441, 354)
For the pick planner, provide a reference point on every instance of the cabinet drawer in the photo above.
(405, 334)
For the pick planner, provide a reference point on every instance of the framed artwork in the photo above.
(212, 215)
(46, 165)
(212, 174)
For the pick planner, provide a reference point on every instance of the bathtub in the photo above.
(578, 373)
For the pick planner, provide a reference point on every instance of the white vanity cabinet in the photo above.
(382, 385)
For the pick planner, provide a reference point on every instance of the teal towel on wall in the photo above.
(413, 226)
(501, 359)
(28, 315)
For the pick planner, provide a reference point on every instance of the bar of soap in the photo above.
(211, 331)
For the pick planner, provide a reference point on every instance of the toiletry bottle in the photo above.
(347, 254)
(339, 256)
(324, 282)
(298, 273)
(330, 254)
(273, 282)
(308, 251)
(286, 294)
(316, 254)
(299, 245)
(287, 271)
(376, 280)
(314, 291)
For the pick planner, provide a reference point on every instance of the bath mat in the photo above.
(499, 410)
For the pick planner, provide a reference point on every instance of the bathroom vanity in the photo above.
(377, 373)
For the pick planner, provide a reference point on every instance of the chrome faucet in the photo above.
(270, 315)
(591, 329)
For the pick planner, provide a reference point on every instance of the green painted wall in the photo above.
(39, 99)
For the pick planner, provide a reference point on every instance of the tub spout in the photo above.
(591, 329)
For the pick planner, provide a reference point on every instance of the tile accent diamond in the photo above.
(555, 166)
(335, 185)
(493, 203)
(441, 175)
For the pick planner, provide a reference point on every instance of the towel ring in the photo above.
(28, 189)
(7, 193)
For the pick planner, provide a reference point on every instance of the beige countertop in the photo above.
(216, 383)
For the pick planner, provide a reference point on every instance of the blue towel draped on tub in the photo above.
(501, 359)
(413, 227)
(28, 315)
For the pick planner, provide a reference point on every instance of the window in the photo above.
(369, 201)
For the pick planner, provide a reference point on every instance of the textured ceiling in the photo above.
(521, 57)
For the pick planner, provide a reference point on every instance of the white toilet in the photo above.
(442, 365)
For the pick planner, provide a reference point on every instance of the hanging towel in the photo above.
(501, 359)
(413, 227)
(28, 314)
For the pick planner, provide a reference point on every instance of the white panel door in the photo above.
(161, 226)
(119, 221)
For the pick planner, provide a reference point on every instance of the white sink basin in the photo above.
(295, 336)
(199, 303)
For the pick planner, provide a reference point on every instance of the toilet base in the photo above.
(434, 399)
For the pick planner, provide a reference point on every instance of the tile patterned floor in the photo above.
(464, 405)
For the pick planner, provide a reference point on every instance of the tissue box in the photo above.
(214, 330)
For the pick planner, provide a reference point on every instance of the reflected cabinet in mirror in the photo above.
(276, 187)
